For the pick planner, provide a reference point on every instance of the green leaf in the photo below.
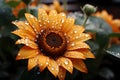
(114, 50)
(114, 35)
(13, 3)
(22, 13)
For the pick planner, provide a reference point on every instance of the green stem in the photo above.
(65, 5)
(85, 20)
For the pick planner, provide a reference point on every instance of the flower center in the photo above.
(52, 43)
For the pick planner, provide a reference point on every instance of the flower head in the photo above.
(114, 23)
(52, 41)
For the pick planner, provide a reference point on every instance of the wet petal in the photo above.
(87, 53)
(79, 36)
(62, 73)
(27, 42)
(32, 62)
(60, 20)
(26, 52)
(33, 22)
(79, 65)
(53, 16)
(68, 24)
(77, 45)
(24, 26)
(65, 63)
(53, 67)
(24, 34)
(43, 18)
(74, 54)
(43, 61)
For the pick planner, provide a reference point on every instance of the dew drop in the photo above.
(73, 44)
(52, 68)
(75, 31)
(76, 37)
(66, 62)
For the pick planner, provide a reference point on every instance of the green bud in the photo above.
(89, 9)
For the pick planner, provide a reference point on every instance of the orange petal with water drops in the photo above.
(53, 67)
(62, 73)
(65, 63)
(43, 62)
(87, 53)
(60, 20)
(53, 17)
(77, 45)
(24, 26)
(26, 52)
(27, 42)
(24, 34)
(79, 65)
(74, 54)
(43, 18)
(33, 22)
(68, 25)
(32, 62)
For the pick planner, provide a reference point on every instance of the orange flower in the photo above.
(18, 8)
(114, 23)
(52, 41)
(55, 6)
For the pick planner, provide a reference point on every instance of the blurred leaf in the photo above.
(22, 13)
(26, 1)
(114, 35)
(114, 50)
(13, 3)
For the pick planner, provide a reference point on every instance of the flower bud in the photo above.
(89, 9)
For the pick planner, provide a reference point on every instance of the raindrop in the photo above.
(31, 16)
(75, 31)
(47, 63)
(66, 62)
(62, 20)
(73, 44)
(26, 23)
(76, 37)
(52, 68)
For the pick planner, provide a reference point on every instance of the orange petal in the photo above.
(65, 63)
(43, 61)
(33, 22)
(77, 45)
(32, 62)
(26, 52)
(62, 73)
(27, 42)
(74, 54)
(68, 24)
(79, 36)
(79, 65)
(60, 20)
(53, 67)
(24, 34)
(24, 26)
(53, 17)
(43, 18)
(87, 53)
(76, 29)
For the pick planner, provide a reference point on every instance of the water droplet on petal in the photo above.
(76, 37)
(73, 44)
(75, 31)
(52, 68)
(66, 62)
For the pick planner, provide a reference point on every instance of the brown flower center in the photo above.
(52, 43)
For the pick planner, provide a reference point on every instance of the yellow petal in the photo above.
(24, 26)
(43, 61)
(27, 42)
(74, 54)
(24, 34)
(26, 52)
(60, 20)
(77, 45)
(53, 67)
(65, 63)
(53, 16)
(33, 22)
(79, 36)
(62, 73)
(32, 62)
(79, 65)
(43, 18)
(87, 53)
(68, 24)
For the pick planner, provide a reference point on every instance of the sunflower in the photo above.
(114, 23)
(52, 41)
